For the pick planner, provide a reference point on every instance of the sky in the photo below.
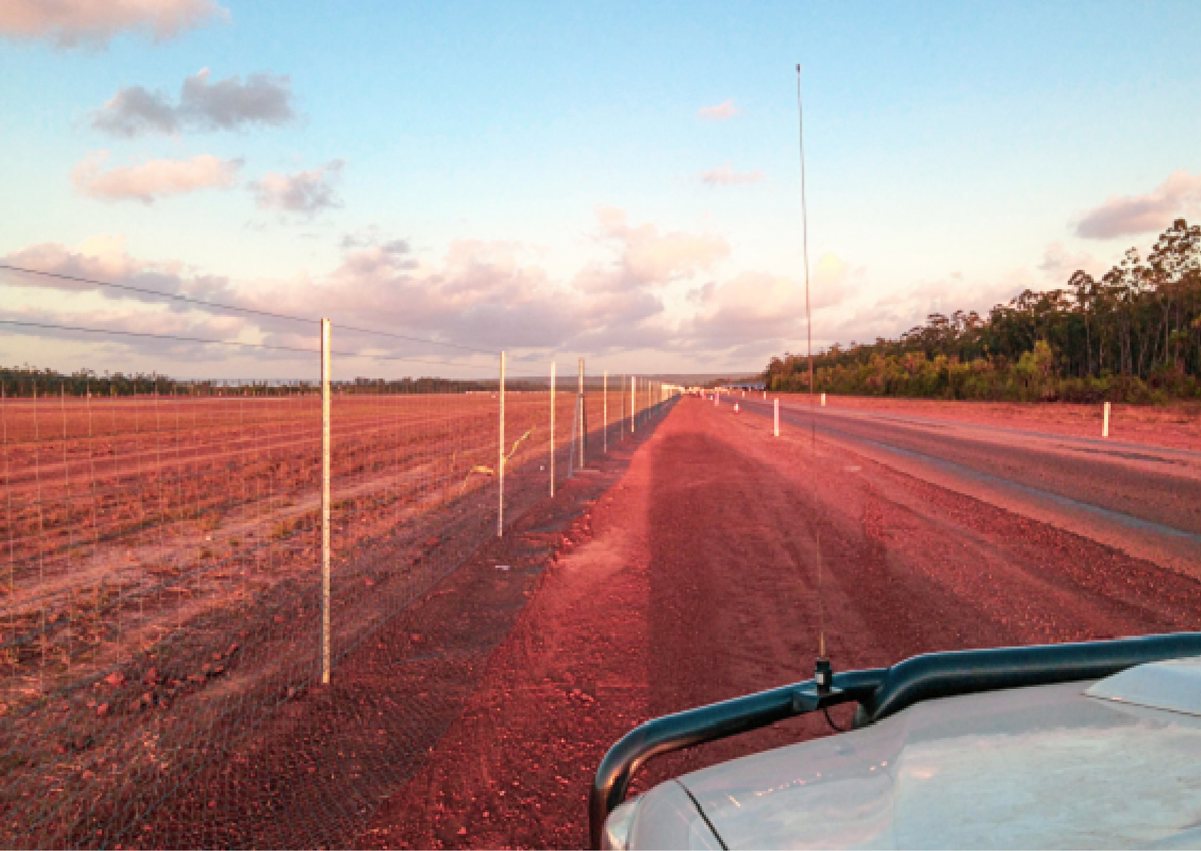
(618, 181)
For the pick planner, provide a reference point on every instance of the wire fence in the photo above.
(162, 597)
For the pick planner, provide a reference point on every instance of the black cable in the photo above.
(209, 342)
(144, 291)
(173, 337)
(341, 327)
(396, 358)
(830, 721)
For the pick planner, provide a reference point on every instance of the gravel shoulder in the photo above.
(708, 570)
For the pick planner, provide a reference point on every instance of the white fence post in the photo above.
(500, 455)
(776, 418)
(621, 428)
(552, 428)
(1105, 421)
(605, 412)
(633, 400)
(325, 500)
(580, 407)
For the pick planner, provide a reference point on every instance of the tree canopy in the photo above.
(1133, 335)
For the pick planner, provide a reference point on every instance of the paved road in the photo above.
(1144, 500)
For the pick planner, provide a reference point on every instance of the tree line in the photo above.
(1133, 335)
(27, 381)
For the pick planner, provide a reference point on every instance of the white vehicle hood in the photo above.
(1051, 766)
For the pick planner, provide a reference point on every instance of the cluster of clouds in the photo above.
(304, 193)
(646, 287)
(204, 104)
(491, 294)
(131, 311)
(674, 292)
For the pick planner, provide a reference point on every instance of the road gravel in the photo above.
(723, 557)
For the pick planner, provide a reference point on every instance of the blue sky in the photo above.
(613, 180)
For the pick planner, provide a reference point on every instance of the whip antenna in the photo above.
(823, 673)
(800, 111)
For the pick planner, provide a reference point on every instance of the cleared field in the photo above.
(160, 569)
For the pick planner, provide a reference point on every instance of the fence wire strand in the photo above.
(161, 606)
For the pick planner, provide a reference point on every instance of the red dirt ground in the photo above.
(158, 598)
(699, 578)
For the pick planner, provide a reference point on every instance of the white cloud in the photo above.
(763, 306)
(647, 256)
(152, 180)
(203, 105)
(723, 111)
(71, 22)
(479, 293)
(1178, 196)
(723, 175)
(305, 193)
(891, 315)
(629, 297)
(1059, 263)
(105, 258)
(230, 103)
(133, 111)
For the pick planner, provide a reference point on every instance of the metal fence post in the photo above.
(325, 499)
(621, 426)
(552, 428)
(500, 455)
(581, 431)
(633, 401)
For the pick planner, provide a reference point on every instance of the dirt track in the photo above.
(706, 573)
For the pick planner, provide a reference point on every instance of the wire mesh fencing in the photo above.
(165, 605)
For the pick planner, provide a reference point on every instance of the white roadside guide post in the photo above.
(552, 428)
(325, 501)
(1105, 421)
(823, 400)
(500, 455)
(775, 429)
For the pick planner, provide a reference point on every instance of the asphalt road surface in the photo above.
(1143, 500)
